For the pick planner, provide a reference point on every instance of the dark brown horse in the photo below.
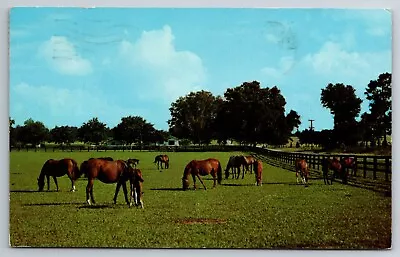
(198, 168)
(108, 172)
(160, 159)
(136, 180)
(133, 162)
(249, 163)
(349, 163)
(58, 168)
(337, 168)
(258, 171)
(302, 169)
(234, 163)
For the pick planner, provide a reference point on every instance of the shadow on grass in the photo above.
(167, 189)
(96, 206)
(50, 204)
(27, 191)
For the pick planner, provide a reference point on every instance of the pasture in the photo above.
(236, 214)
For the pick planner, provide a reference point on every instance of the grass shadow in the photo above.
(96, 206)
(236, 185)
(50, 204)
(26, 191)
(167, 189)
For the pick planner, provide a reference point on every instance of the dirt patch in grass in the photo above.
(191, 221)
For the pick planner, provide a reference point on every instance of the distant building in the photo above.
(172, 141)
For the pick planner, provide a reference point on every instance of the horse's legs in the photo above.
(297, 176)
(116, 192)
(202, 181)
(194, 181)
(48, 182)
(55, 182)
(125, 193)
(89, 190)
(215, 180)
(73, 185)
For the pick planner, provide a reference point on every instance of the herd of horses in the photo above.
(110, 171)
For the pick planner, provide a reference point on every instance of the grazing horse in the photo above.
(136, 180)
(258, 172)
(108, 172)
(302, 169)
(334, 165)
(160, 159)
(58, 168)
(234, 163)
(249, 163)
(198, 168)
(349, 163)
(133, 162)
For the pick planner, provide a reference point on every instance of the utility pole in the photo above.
(311, 126)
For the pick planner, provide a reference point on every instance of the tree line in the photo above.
(248, 113)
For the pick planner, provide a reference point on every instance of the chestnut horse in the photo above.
(249, 163)
(160, 159)
(108, 172)
(337, 168)
(234, 163)
(258, 171)
(136, 180)
(198, 168)
(58, 168)
(133, 162)
(349, 163)
(302, 169)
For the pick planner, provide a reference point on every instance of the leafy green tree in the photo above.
(11, 131)
(379, 93)
(193, 115)
(134, 129)
(64, 134)
(33, 132)
(93, 131)
(345, 107)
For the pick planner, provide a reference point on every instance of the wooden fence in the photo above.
(367, 166)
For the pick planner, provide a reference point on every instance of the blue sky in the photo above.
(68, 65)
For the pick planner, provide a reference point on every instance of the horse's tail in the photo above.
(219, 172)
(83, 168)
(75, 170)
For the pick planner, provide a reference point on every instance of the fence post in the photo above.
(387, 168)
(375, 166)
(365, 167)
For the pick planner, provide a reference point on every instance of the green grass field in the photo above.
(236, 214)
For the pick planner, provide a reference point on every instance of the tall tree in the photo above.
(134, 129)
(193, 115)
(345, 107)
(379, 93)
(93, 131)
(64, 134)
(33, 132)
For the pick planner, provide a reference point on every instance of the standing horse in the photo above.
(198, 168)
(58, 168)
(133, 162)
(258, 172)
(349, 163)
(108, 172)
(160, 159)
(302, 169)
(234, 163)
(249, 163)
(136, 180)
(334, 165)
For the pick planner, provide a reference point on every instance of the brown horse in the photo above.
(160, 159)
(108, 172)
(337, 168)
(136, 180)
(234, 163)
(133, 162)
(198, 168)
(249, 163)
(302, 169)
(258, 171)
(58, 168)
(349, 163)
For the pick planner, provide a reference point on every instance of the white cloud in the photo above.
(56, 103)
(62, 56)
(285, 64)
(334, 59)
(271, 38)
(168, 71)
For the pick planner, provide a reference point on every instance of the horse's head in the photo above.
(185, 183)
